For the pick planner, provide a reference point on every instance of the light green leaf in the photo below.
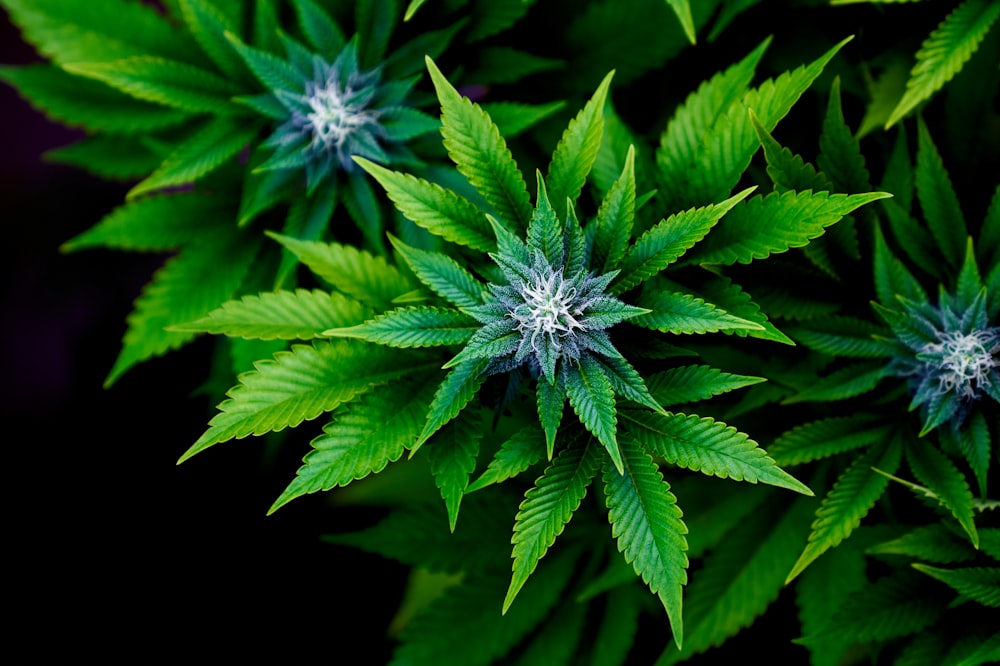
(945, 51)
(444, 275)
(363, 436)
(544, 231)
(683, 313)
(480, 153)
(705, 445)
(300, 384)
(664, 243)
(440, 211)
(613, 224)
(592, 398)
(646, 522)
(850, 499)
(418, 326)
(455, 392)
(190, 285)
(690, 383)
(270, 70)
(577, 148)
(283, 315)
(167, 82)
(215, 143)
(209, 25)
(154, 224)
(517, 453)
(452, 458)
(788, 171)
(547, 508)
(357, 273)
(683, 10)
(92, 105)
(551, 402)
(764, 225)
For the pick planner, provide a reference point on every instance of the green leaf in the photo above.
(981, 584)
(418, 326)
(945, 51)
(440, 211)
(363, 436)
(705, 445)
(514, 118)
(933, 543)
(592, 398)
(190, 285)
(282, 315)
(442, 274)
(577, 148)
(547, 508)
(209, 25)
(683, 10)
(683, 313)
(619, 626)
(690, 383)
(517, 453)
(216, 142)
(973, 440)
(452, 459)
(938, 199)
(667, 241)
(551, 402)
(455, 392)
(774, 223)
(741, 577)
(300, 384)
(92, 105)
(273, 72)
(323, 34)
(544, 231)
(893, 606)
(646, 522)
(939, 474)
(480, 153)
(891, 276)
(107, 156)
(97, 30)
(850, 499)
(470, 609)
(154, 224)
(613, 225)
(840, 155)
(167, 82)
(502, 64)
(843, 336)
(827, 437)
(847, 382)
(788, 171)
(357, 273)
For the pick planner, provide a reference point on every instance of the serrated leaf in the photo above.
(154, 224)
(646, 522)
(847, 382)
(843, 336)
(683, 313)
(417, 326)
(480, 153)
(787, 170)
(891, 276)
(92, 105)
(827, 437)
(708, 446)
(273, 72)
(215, 143)
(544, 230)
(613, 224)
(440, 211)
(740, 579)
(938, 199)
(453, 395)
(764, 225)
(981, 584)
(167, 82)
(945, 51)
(442, 274)
(840, 155)
(452, 458)
(300, 384)
(667, 241)
(547, 508)
(940, 475)
(850, 499)
(189, 285)
(550, 398)
(363, 436)
(208, 25)
(592, 398)
(932, 543)
(691, 383)
(322, 32)
(283, 315)
(357, 273)
(517, 453)
(97, 30)
(576, 151)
